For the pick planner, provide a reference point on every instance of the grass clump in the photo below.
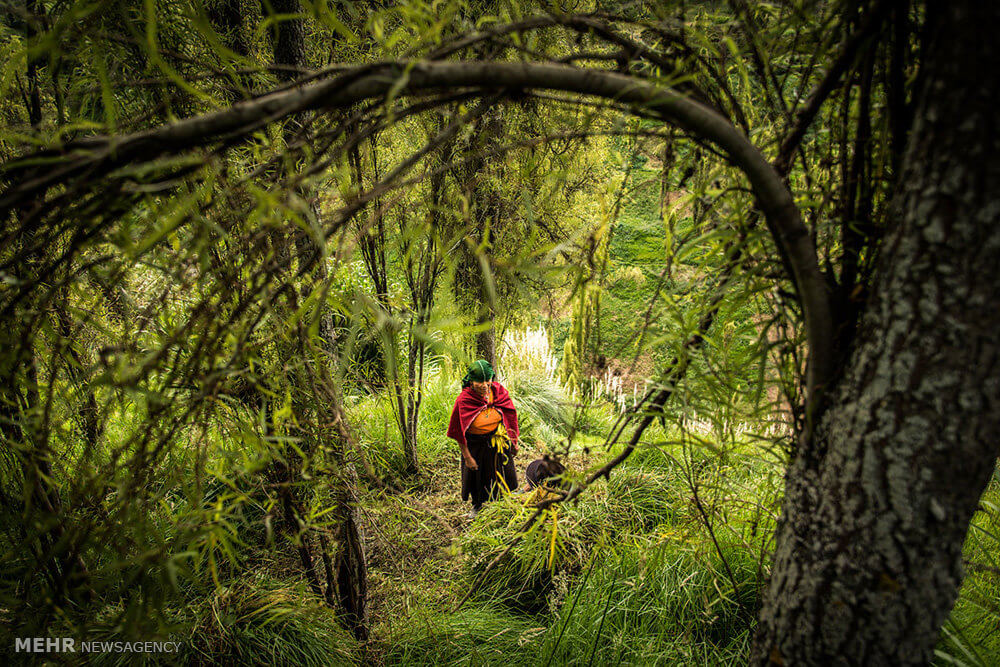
(972, 634)
(644, 498)
(273, 624)
(475, 635)
(255, 622)
(665, 599)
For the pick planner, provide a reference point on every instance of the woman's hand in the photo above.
(470, 462)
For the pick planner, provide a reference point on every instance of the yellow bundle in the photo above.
(501, 441)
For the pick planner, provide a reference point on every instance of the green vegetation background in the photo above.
(628, 574)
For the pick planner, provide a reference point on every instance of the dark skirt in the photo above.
(484, 484)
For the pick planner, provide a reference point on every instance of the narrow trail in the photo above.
(414, 559)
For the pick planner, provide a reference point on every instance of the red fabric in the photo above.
(469, 404)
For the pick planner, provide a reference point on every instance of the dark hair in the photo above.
(544, 472)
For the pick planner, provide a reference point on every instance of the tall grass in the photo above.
(477, 635)
(663, 563)
(657, 600)
(373, 420)
(595, 587)
(971, 637)
(527, 367)
(259, 621)
(641, 602)
(626, 575)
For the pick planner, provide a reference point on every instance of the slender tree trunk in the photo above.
(422, 266)
(487, 213)
(415, 382)
(868, 557)
(289, 38)
(293, 510)
(344, 562)
(486, 341)
(34, 10)
(351, 567)
(227, 18)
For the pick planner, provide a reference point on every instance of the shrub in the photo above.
(259, 621)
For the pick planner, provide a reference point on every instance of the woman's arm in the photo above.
(509, 413)
(470, 462)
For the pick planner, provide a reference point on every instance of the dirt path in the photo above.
(411, 537)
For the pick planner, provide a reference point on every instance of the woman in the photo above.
(484, 423)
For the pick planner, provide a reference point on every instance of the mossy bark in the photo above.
(868, 552)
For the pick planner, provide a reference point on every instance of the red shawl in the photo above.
(469, 404)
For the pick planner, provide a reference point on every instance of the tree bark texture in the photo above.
(352, 573)
(868, 551)
(289, 35)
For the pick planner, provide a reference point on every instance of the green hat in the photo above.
(479, 371)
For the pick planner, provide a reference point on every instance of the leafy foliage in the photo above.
(225, 352)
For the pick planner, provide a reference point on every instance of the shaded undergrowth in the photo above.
(664, 563)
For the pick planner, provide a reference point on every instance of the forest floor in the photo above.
(414, 561)
(413, 541)
(418, 574)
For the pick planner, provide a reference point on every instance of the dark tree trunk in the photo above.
(486, 341)
(289, 37)
(343, 562)
(352, 572)
(476, 284)
(227, 18)
(34, 17)
(868, 553)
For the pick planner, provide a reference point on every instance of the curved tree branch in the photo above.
(102, 155)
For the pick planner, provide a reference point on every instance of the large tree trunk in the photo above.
(868, 557)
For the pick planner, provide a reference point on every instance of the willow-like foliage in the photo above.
(208, 252)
